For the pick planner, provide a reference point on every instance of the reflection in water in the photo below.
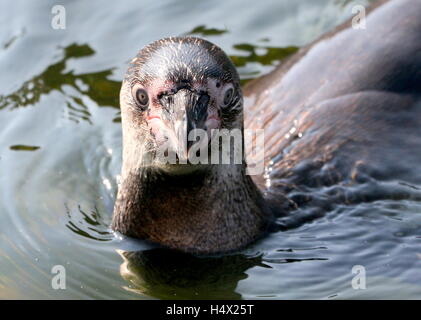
(164, 273)
(21, 147)
(95, 85)
(204, 31)
(258, 54)
(105, 92)
(88, 224)
(12, 40)
(168, 274)
(262, 55)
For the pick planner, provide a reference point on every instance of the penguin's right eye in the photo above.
(141, 97)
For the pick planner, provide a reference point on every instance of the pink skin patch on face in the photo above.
(149, 118)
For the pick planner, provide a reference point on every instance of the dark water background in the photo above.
(60, 146)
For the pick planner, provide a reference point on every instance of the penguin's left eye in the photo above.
(140, 95)
(229, 94)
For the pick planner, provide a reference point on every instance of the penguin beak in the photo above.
(184, 112)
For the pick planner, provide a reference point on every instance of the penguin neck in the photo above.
(210, 210)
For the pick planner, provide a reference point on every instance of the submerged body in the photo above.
(345, 109)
